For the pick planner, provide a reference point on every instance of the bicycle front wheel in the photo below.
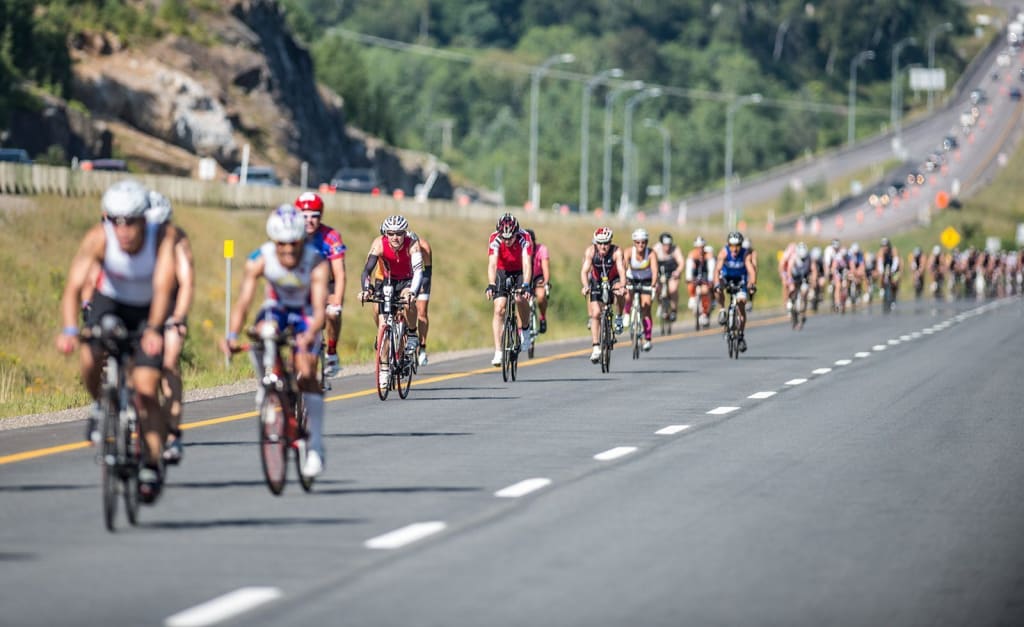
(301, 443)
(383, 363)
(636, 332)
(507, 346)
(130, 476)
(273, 442)
(109, 469)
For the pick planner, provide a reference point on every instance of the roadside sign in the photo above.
(229, 248)
(950, 237)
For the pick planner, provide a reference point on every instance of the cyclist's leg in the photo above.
(172, 390)
(673, 293)
(646, 298)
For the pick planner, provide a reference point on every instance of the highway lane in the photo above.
(791, 509)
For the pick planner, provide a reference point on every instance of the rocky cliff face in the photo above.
(254, 85)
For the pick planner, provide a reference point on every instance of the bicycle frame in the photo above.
(394, 367)
(510, 340)
(732, 321)
(607, 333)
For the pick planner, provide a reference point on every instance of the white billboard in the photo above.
(923, 79)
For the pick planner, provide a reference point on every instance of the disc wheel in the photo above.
(383, 363)
(273, 443)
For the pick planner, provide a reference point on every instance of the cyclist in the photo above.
(176, 327)
(602, 258)
(916, 262)
(136, 260)
(887, 262)
(541, 279)
(423, 298)
(736, 268)
(509, 252)
(396, 256)
(857, 272)
(803, 275)
(328, 241)
(296, 275)
(700, 268)
(822, 282)
(670, 266)
(938, 266)
(786, 278)
(642, 268)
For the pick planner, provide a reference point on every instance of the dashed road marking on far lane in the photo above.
(821, 371)
(523, 488)
(721, 411)
(762, 395)
(406, 535)
(224, 607)
(615, 453)
(672, 429)
(843, 362)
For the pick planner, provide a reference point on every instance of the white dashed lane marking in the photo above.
(224, 607)
(905, 338)
(879, 347)
(522, 488)
(615, 453)
(843, 362)
(672, 429)
(721, 411)
(894, 342)
(796, 381)
(821, 371)
(862, 355)
(761, 395)
(406, 535)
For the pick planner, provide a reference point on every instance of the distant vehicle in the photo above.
(978, 96)
(357, 181)
(949, 143)
(1015, 93)
(14, 155)
(255, 175)
(104, 165)
(915, 178)
(1003, 59)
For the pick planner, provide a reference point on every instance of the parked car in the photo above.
(106, 165)
(14, 155)
(356, 180)
(255, 175)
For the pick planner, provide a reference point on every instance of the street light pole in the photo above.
(609, 103)
(730, 113)
(627, 143)
(588, 89)
(932, 34)
(534, 192)
(666, 154)
(851, 115)
(894, 120)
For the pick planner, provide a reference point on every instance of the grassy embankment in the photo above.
(38, 237)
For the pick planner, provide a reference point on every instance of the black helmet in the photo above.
(665, 238)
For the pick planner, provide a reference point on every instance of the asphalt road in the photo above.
(875, 481)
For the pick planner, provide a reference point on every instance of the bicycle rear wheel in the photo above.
(636, 330)
(301, 443)
(517, 346)
(383, 363)
(135, 449)
(404, 367)
(273, 442)
(109, 469)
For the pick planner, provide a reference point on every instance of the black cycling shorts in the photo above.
(135, 319)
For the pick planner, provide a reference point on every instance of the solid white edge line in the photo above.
(762, 395)
(796, 381)
(615, 453)
(721, 411)
(406, 535)
(821, 371)
(223, 607)
(843, 362)
(522, 488)
(672, 429)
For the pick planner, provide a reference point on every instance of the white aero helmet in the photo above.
(159, 208)
(640, 235)
(125, 199)
(801, 250)
(816, 253)
(699, 242)
(285, 224)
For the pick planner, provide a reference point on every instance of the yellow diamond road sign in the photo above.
(949, 237)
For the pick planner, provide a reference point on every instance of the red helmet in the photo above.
(309, 201)
(507, 226)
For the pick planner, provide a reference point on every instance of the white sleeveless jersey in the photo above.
(128, 279)
(289, 288)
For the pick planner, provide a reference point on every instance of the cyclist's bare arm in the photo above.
(652, 260)
(185, 274)
(620, 264)
(527, 266)
(545, 270)
(338, 268)
(492, 268)
(585, 269)
(163, 286)
(318, 299)
(253, 271)
(90, 253)
(751, 271)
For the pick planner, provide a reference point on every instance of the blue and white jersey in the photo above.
(288, 287)
(735, 266)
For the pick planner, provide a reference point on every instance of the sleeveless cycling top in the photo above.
(639, 269)
(396, 264)
(604, 264)
(125, 278)
(800, 269)
(735, 266)
(289, 288)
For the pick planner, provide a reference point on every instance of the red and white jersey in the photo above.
(510, 252)
(396, 264)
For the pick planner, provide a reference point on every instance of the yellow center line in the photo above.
(75, 446)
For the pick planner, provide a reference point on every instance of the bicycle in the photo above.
(732, 322)
(702, 306)
(283, 422)
(607, 334)
(664, 305)
(511, 342)
(121, 452)
(394, 364)
(887, 292)
(636, 322)
(534, 325)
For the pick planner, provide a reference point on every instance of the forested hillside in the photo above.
(463, 89)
